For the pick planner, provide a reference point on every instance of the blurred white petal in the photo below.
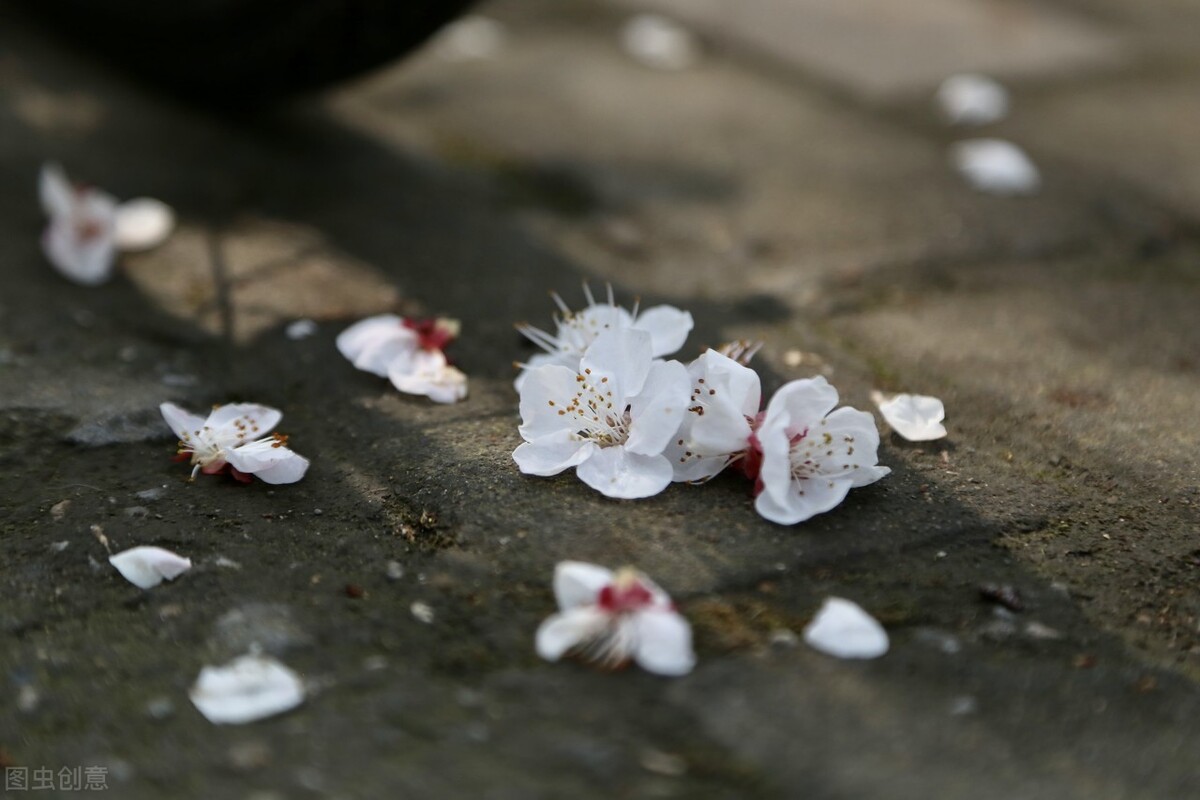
(146, 567)
(246, 689)
(843, 630)
(916, 417)
(996, 166)
(658, 42)
(972, 99)
(143, 223)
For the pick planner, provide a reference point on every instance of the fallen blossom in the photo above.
(658, 42)
(611, 419)
(972, 99)
(236, 438)
(576, 330)
(409, 353)
(80, 240)
(812, 455)
(843, 630)
(612, 618)
(146, 567)
(721, 411)
(916, 417)
(996, 166)
(88, 226)
(246, 689)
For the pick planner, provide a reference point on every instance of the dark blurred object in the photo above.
(242, 53)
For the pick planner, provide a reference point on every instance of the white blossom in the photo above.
(996, 166)
(611, 419)
(246, 689)
(916, 417)
(721, 412)
(409, 353)
(614, 617)
(236, 436)
(146, 567)
(576, 330)
(842, 629)
(88, 226)
(972, 99)
(812, 455)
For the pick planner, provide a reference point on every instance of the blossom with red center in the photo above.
(612, 618)
(410, 353)
(812, 455)
(235, 438)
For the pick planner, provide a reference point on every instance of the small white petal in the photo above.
(664, 642)
(300, 329)
(426, 373)
(545, 392)
(615, 472)
(658, 42)
(143, 223)
(146, 567)
(800, 500)
(234, 423)
(658, 410)
(471, 38)
(844, 630)
(374, 344)
(566, 630)
(668, 328)
(578, 583)
(996, 166)
(972, 99)
(916, 417)
(624, 356)
(246, 689)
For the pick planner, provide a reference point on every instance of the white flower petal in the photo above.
(235, 423)
(806, 401)
(725, 395)
(269, 461)
(143, 223)
(84, 259)
(578, 583)
(374, 344)
(615, 472)
(996, 166)
(658, 42)
(552, 453)
(246, 689)
(538, 360)
(546, 391)
(668, 328)
(658, 410)
(844, 630)
(55, 191)
(300, 329)
(566, 630)
(145, 567)
(185, 425)
(972, 99)
(664, 642)
(623, 356)
(426, 372)
(916, 417)
(800, 499)
(470, 38)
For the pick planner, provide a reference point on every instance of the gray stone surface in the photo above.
(1059, 329)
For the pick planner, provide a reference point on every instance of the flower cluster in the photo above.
(410, 353)
(631, 423)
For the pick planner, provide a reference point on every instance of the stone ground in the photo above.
(799, 195)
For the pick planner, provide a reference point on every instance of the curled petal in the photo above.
(567, 630)
(552, 453)
(664, 643)
(426, 372)
(561, 359)
(668, 328)
(374, 343)
(146, 567)
(246, 689)
(799, 500)
(842, 629)
(806, 402)
(916, 417)
(615, 472)
(234, 423)
(143, 223)
(268, 461)
(577, 583)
